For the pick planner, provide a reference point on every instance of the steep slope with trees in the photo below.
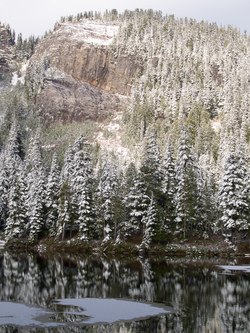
(185, 125)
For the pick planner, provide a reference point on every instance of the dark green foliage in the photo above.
(52, 196)
(67, 211)
(151, 164)
(187, 208)
(137, 122)
(57, 138)
(136, 202)
(24, 48)
(169, 183)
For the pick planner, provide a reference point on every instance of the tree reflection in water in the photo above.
(204, 299)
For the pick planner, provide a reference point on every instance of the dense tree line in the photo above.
(23, 48)
(163, 198)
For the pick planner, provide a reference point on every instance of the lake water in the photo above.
(72, 293)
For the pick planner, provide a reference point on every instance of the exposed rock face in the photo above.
(93, 77)
(6, 54)
(66, 100)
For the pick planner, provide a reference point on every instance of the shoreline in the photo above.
(215, 247)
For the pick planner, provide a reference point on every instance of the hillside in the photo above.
(169, 68)
(170, 95)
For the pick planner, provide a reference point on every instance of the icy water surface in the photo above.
(78, 311)
(86, 294)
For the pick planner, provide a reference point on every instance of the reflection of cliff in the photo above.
(91, 77)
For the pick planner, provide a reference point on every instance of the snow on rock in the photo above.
(54, 73)
(19, 77)
(216, 124)
(97, 33)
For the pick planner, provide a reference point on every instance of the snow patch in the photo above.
(54, 73)
(243, 268)
(216, 124)
(109, 310)
(19, 77)
(97, 33)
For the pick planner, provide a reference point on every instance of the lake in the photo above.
(73, 293)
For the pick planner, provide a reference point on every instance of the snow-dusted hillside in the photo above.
(174, 88)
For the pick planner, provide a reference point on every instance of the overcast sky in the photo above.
(34, 17)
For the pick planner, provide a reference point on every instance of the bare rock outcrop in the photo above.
(92, 77)
(66, 100)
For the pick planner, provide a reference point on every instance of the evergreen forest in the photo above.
(186, 126)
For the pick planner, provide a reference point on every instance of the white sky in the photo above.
(32, 17)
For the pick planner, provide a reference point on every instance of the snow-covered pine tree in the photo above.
(67, 211)
(4, 186)
(128, 181)
(137, 202)
(152, 176)
(81, 182)
(15, 140)
(151, 165)
(67, 165)
(15, 145)
(16, 222)
(67, 207)
(36, 180)
(246, 195)
(150, 224)
(85, 215)
(234, 194)
(11, 172)
(36, 209)
(52, 196)
(169, 188)
(208, 190)
(186, 191)
(105, 199)
(118, 208)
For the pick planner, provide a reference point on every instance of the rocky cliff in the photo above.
(82, 79)
(65, 100)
